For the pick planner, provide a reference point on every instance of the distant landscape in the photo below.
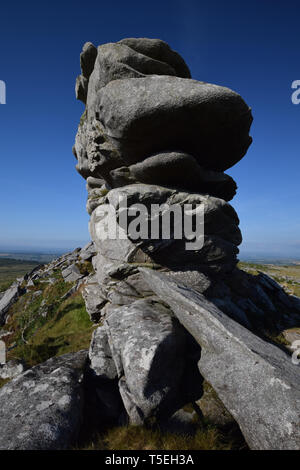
(16, 264)
(11, 269)
(287, 275)
(39, 257)
(285, 271)
(267, 258)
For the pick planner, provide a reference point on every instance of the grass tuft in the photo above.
(141, 438)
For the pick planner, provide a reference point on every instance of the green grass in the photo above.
(65, 328)
(3, 382)
(277, 338)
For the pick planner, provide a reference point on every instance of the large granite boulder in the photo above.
(175, 170)
(141, 101)
(104, 405)
(128, 58)
(255, 380)
(101, 361)
(220, 240)
(149, 350)
(41, 409)
(157, 113)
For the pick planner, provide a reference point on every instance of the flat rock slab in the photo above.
(41, 408)
(71, 273)
(255, 380)
(87, 252)
(10, 296)
(102, 363)
(93, 298)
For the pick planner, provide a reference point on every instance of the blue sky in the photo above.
(251, 47)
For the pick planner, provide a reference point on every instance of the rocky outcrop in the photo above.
(255, 380)
(76, 270)
(41, 409)
(152, 136)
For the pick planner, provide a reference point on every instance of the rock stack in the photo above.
(152, 135)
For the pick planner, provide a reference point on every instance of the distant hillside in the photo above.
(288, 275)
(30, 256)
(10, 269)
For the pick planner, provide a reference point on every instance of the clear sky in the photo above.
(251, 47)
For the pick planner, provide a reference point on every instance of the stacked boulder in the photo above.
(152, 135)
(162, 137)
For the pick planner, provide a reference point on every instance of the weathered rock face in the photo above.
(41, 408)
(161, 51)
(102, 363)
(152, 136)
(153, 359)
(127, 58)
(143, 116)
(150, 352)
(221, 237)
(256, 381)
(71, 273)
(94, 298)
(11, 369)
(175, 169)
